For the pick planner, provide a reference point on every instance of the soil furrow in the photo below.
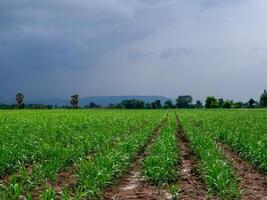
(253, 184)
(5, 179)
(131, 185)
(191, 184)
(66, 179)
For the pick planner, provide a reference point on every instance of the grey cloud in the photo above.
(113, 47)
(137, 55)
(175, 52)
(65, 33)
(217, 3)
(164, 54)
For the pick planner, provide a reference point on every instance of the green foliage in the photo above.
(168, 104)
(228, 104)
(133, 104)
(50, 141)
(160, 166)
(198, 104)
(92, 105)
(96, 174)
(238, 105)
(184, 101)
(11, 191)
(212, 102)
(36, 145)
(245, 131)
(216, 171)
(49, 194)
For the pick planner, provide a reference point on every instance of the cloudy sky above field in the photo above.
(55, 48)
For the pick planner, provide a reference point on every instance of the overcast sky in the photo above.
(54, 48)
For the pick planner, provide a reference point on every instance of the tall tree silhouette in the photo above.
(263, 99)
(20, 99)
(74, 101)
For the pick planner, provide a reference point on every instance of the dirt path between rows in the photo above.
(131, 185)
(66, 179)
(253, 184)
(190, 183)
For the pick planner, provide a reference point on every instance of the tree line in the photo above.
(183, 101)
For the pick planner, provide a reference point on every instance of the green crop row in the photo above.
(35, 146)
(244, 131)
(53, 141)
(160, 167)
(95, 174)
(26, 137)
(216, 171)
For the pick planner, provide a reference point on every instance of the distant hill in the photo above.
(100, 100)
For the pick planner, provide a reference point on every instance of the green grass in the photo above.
(245, 131)
(100, 172)
(160, 167)
(217, 173)
(50, 141)
(102, 144)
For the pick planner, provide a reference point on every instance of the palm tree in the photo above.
(74, 101)
(19, 99)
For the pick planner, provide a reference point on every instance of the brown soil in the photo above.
(7, 178)
(253, 183)
(65, 179)
(131, 186)
(190, 183)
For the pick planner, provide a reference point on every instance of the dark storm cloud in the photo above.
(54, 34)
(119, 47)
